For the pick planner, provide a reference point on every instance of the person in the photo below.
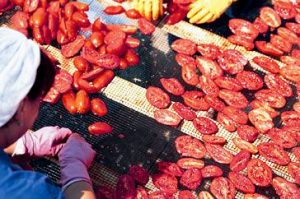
(200, 11)
(26, 75)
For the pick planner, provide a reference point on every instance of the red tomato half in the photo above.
(281, 43)
(139, 174)
(260, 25)
(213, 139)
(222, 188)
(218, 153)
(185, 194)
(250, 80)
(228, 83)
(195, 100)
(274, 153)
(294, 171)
(259, 173)
(114, 10)
(72, 48)
(145, 26)
(165, 183)
(209, 51)
(208, 86)
(184, 111)
(291, 72)
(172, 85)
(232, 61)
(209, 67)
(268, 48)
(226, 122)
(191, 178)
(214, 102)
(239, 161)
(277, 84)
(286, 10)
(236, 115)
(270, 17)
(232, 98)
(167, 117)
(261, 119)
(282, 138)
(63, 81)
(285, 189)
(184, 46)
(243, 27)
(211, 171)
(190, 147)
(157, 97)
(242, 41)
(267, 64)
(189, 163)
(241, 182)
(183, 60)
(272, 98)
(205, 125)
(189, 74)
(169, 168)
(247, 133)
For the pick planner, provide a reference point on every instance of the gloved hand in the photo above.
(150, 9)
(75, 158)
(46, 141)
(205, 11)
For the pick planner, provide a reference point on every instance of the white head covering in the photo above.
(19, 60)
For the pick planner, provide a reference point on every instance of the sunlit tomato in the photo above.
(291, 72)
(277, 84)
(218, 153)
(213, 139)
(286, 10)
(232, 98)
(157, 97)
(262, 104)
(190, 147)
(211, 171)
(100, 128)
(228, 83)
(114, 10)
(285, 189)
(239, 161)
(139, 174)
(68, 100)
(288, 35)
(260, 25)
(184, 111)
(242, 41)
(281, 43)
(52, 96)
(72, 48)
(98, 107)
(82, 102)
(222, 188)
(243, 27)
(189, 75)
(165, 183)
(209, 67)
(191, 178)
(261, 119)
(195, 100)
(270, 17)
(81, 19)
(132, 57)
(208, 86)
(167, 117)
(145, 26)
(250, 80)
(184, 46)
(39, 17)
(132, 14)
(232, 61)
(272, 98)
(209, 51)
(282, 138)
(205, 125)
(226, 122)
(132, 42)
(97, 39)
(172, 85)
(241, 182)
(236, 115)
(267, 64)
(214, 102)
(81, 64)
(259, 173)
(244, 145)
(188, 163)
(273, 153)
(268, 48)
(183, 60)
(247, 133)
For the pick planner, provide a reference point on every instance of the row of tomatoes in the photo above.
(190, 171)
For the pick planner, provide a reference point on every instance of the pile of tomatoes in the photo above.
(278, 28)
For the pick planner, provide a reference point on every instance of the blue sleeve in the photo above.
(28, 184)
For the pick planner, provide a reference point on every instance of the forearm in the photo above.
(79, 190)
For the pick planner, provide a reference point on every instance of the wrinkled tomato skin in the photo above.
(167, 117)
(184, 111)
(218, 153)
(281, 43)
(261, 119)
(139, 174)
(228, 83)
(233, 98)
(209, 51)
(270, 17)
(259, 173)
(211, 171)
(282, 138)
(189, 75)
(169, 168)
(244, 145)
(250, 80)
(188, 163)
(236, 115)
(183, 60)
(205, 125)
(226, 122)
(165, 183)
(172, 85)
(247, 133)
(275, 83)
(267, 64)
(214, 102)
(222, 188)
(291, 72)
(232, 61)
(208, 86)
(240, 160)
(157, 97)
(191, 178)
(195, 100)
(241, 182)
(190, 147)
(273, 99)
(213, 139)
(274, 153)
(208, 67)
(185, 194)
(184, 46)
(285, 189)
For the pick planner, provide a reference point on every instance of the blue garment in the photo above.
(16, 183)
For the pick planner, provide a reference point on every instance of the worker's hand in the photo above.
(150, 9)
(205, 11)
(74, 159)
(45, 142)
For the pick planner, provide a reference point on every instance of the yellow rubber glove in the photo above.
(205, 11)
(150, 9)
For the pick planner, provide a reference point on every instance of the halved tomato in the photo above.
(188, 163)
(222, 188)
(270, 17)
(277, 84)
(267, 64)
(226, 122)
(244, 145)
(281, 43)
(183, 111)
(296, 107)
(205, 126)
(288, 35)
(190, 147)
(274, 153)
(209, 67)
(211, 171)
(239, 161)
(166, 183)
(290, 118)
(157, 97)
(169, 168)
(293, 27)
(262, 104)
(213, 139)
(286, 10)
(186, 194)
(289, 60)
(167, 117)
(261, 119)
(172, 85)
(247, 133)
(282, 138)
(259, 173)
(260, 25)
(296, 152)
(208, 86)
(233, 98)
(228, 83)
(209, 51)
(218, 153)
(243, 27)
(268, 48)
(195, 100)
(232, 61)
(241, 182)
(285, 189)
(189, 74)
(184, 46)
(242, 41)
(140, 175)
(272, 98)
(183, 60)
(236, 114)
(294, 171)
(191, 178)
(291, 72)
(214, 102)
